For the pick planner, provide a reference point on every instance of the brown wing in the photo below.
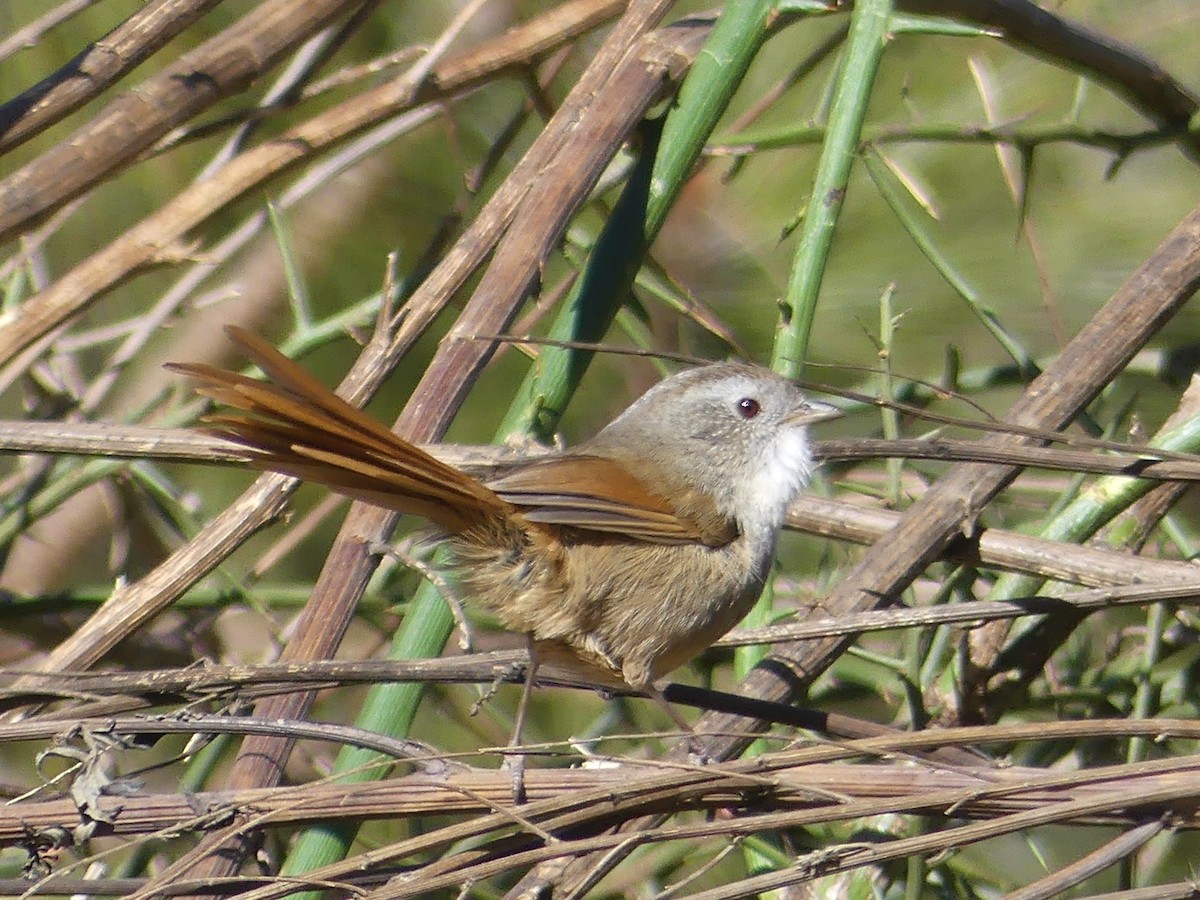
(598, 494)
(297, 426)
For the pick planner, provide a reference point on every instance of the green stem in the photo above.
(863, 50)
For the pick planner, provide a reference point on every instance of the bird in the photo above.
(628, 554)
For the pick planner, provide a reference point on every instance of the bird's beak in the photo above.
(809, 411)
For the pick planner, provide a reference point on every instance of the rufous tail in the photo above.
(295, 425)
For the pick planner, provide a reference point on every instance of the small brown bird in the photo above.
(632, 552)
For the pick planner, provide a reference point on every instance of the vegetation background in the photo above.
(173, 166)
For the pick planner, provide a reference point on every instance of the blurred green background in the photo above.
(1044, 268)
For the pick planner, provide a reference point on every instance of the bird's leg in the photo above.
(638, 675)
(514, 760)
(666, 706)
(693, 740)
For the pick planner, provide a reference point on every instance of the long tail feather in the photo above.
(297, 426)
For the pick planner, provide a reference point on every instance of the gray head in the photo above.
(735, 432)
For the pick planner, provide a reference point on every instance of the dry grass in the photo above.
(996, 656)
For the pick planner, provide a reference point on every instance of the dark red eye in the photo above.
(748, 407)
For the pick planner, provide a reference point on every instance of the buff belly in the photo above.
(609, 604)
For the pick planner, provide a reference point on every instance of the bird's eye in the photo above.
(748, 407)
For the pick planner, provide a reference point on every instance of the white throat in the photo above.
(782, 472)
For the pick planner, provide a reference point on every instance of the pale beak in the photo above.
(809, 411)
